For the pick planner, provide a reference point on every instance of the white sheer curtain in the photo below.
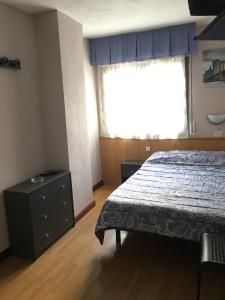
(143, 99)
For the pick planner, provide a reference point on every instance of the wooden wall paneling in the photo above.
(215, 144)
(114, 151)
(103, 152)
(112, 161)
(108, 159)
(121, 155)
(132, 149)
(142, 154)
(176, 144)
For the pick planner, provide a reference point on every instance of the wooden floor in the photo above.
(77, 267)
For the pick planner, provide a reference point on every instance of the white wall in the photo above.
(22, 152)
(51, 90)
(60, 49)
(43, 112)
(71, 48)
(92, 116)
(206, 100)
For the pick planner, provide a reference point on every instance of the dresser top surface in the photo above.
(27, 187)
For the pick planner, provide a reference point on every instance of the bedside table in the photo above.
(129, 167)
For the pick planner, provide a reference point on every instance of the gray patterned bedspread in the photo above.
(176, 193)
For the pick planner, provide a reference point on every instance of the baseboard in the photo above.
(85, 211)
(98, 185)
(4, 255)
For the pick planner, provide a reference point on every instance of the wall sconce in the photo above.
(10, 63)
(216, 119)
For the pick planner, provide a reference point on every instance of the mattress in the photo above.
(176, 194)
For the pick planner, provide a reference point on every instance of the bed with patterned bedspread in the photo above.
(176, 194)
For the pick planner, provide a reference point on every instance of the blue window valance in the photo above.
(163, 42)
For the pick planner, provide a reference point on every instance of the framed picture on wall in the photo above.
(214, 67)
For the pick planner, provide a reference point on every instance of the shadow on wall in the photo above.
(145, 267)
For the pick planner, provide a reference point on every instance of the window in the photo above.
(143, 99)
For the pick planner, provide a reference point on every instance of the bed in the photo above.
(177, 194)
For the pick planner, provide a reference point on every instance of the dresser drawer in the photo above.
(63, 194)
(43, 238)
(51, 195)
(66, 221)
(52, 212)
(66, 216)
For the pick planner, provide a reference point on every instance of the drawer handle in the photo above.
(64, 203)
(66, 220)
(62, 187)
(43, 197)
(44, 217)
(46, 235)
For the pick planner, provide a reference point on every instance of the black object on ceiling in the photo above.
(206, 7)
(216, 29)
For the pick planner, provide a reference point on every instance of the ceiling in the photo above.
(107, 17)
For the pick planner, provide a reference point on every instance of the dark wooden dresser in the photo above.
(38, 214)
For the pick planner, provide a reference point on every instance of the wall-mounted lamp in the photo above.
(216, 119)
(10, 63)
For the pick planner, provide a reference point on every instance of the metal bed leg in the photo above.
(118, 236)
